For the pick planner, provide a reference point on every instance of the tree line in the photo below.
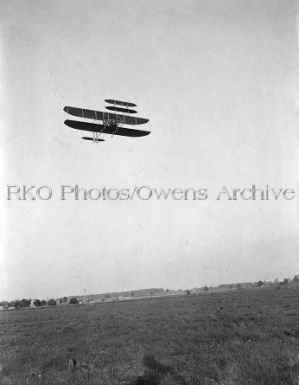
(26, 303)
(239, 286)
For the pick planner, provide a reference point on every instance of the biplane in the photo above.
(107, 122)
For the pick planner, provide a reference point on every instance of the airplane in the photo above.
(107, 122)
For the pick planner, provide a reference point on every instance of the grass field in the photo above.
(248, 337)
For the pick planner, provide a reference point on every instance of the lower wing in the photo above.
(84, 126)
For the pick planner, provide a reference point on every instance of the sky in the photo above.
(219, 82)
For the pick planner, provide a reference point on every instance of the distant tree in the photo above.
(275, 283)
(296, 278)
(52, 302)
(25, 302)
(188, 292)
(17, 304)
(37, 302)
(167, 291)
(64, 299)
(259, 283)
(205, 288)
(43, 302)
(74, 301)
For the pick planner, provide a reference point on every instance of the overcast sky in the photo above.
(218, 81)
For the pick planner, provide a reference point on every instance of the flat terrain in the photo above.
(246, 337)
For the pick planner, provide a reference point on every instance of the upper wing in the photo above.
(100, 115)
(120, 109)
(77, 125)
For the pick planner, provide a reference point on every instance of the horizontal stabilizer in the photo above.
(100, 115)
(92, 127)
(120, 103)
(96, 140)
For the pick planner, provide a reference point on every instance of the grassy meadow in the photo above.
(246, 337)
